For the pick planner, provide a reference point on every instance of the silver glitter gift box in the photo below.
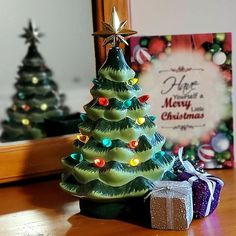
(171, 205)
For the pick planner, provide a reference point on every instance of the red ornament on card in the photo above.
(143, 98)
(176, 149)
(227, 75)
(228, 163)
(133, 144)
(99, 162)
(103, 101)
(201, 164)
(156, 46)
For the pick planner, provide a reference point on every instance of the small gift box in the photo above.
(206, 188)
(171, 205)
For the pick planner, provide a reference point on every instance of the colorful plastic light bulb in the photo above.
(35, 80)
(133, 144)
(99, 162)
(25, 121)
(83, 138)
(106, 142)
(143, 98)
(134, 161)
(132, 81)
(44, 107)
(25, 107)
(103, 101)
(127, 103)
(140, 120)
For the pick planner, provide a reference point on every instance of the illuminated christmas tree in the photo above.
(36, 98)
(118, 152)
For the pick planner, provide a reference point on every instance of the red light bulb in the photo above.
(133, 144)
(99, 162)
(143, 98)
(25, 107)
(103, 101)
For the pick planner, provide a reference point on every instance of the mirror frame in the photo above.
(34, 158)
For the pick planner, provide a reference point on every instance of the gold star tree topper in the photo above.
(114, 33)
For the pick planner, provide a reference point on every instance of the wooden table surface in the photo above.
(43, 209)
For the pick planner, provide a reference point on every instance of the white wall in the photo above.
(183, 16)
(67, 45)
(164, 17)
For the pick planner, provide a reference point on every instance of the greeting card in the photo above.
(189, 79)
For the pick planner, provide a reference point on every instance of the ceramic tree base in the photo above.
(62, 125)
(130, 209)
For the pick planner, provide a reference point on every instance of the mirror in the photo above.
(67, 47)
(68, 50)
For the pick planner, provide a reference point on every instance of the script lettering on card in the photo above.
(188, 88)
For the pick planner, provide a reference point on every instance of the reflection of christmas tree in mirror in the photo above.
(37, 96)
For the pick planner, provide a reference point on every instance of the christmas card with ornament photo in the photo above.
(189, 79)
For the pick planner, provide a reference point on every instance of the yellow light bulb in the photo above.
(83, 138)
(140, 120)
(134, 162)
(133, 81)
(44, 107)
(35, 80)
(25, 121)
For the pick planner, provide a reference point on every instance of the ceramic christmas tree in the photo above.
(118, 152)
(37, 96)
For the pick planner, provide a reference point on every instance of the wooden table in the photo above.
(43, 209)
